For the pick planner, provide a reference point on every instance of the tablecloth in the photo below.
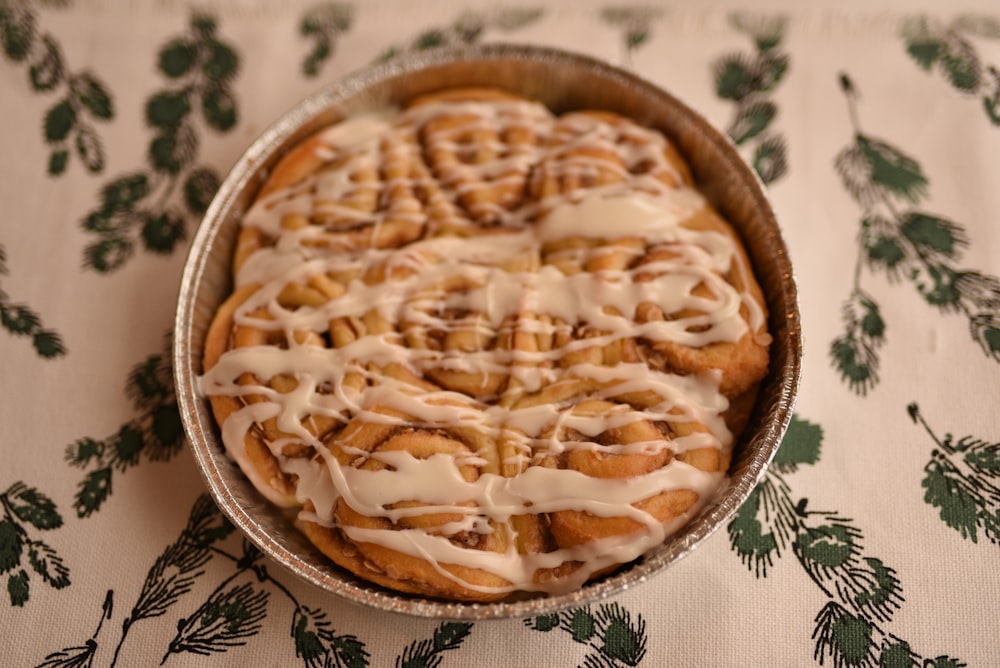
(874, 538)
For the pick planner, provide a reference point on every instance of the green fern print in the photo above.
(23, 507)
(156, 434)
(613, 637)
(82, 98)
(748, 81)
(141, 208)
(862, 592)
(962, 480)
(22, 320)
(907, 245)
(427, 653)
(634, 22)
(467, 29)
(949, 49)
(324, 23)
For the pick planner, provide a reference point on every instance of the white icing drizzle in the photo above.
(524, 275)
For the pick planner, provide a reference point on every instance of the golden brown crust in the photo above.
(457, 175)
(259, 457)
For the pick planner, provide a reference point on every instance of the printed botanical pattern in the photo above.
(205, 594)
(468, 28)
(962, 480)
(635, 23)
(25, 507)
(68, 126)
(862, 592)
(427, 653)
(235, 609)
(907, 245)
(155, 434)
(949, 49)
(142, 208)
(749, 81)
(609, 632)
(323, 24)
(21, 320)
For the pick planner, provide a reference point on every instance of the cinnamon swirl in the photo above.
(483, 350)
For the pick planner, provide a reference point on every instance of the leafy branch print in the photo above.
(230, 615)
(468, 28)
(21, 320)
(906, 244)
(156, 434)
(319, 646)
(227, 619)
(948, 48)
(83, 98)
(862, 592)
(141, 207)
(324, 23)
(427, 653)
(634, 22)
(81, 656)
(174, 572)
(748, 80)
(23, 505)
(613, 636)
(962, 480)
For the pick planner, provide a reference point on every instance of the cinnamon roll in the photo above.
(483, 350)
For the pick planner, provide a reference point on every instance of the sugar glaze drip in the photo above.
(524, 273)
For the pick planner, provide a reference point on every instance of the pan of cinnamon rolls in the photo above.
(486, 332)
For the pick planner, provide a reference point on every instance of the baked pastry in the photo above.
(484, 351)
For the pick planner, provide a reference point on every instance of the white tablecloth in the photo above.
(876, 534)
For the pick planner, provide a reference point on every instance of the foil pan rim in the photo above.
(230, 493)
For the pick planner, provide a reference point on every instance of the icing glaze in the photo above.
(434, 296)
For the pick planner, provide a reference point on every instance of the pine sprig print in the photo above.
(22, 507)
(613, 636)
(230, 615)
(319, 646)
(848, 641)
(468, 28)
(81, 656)
(426, 653)
(233, 613)
(175, 571)
(762, 528)
(855, 352)
(862, 592)
(635, 23)
(324, 23)
(156, 434)
(227, 619)
(83, 99)
(906, 244)
(153, 208)
(748, 80)
(962, 481)
(22, 320)
(765, 526)
(949, 50)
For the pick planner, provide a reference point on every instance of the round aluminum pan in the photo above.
(563, 81)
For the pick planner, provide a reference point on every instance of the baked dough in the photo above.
(482, 350)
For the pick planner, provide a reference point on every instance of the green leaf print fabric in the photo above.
(872, 539)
